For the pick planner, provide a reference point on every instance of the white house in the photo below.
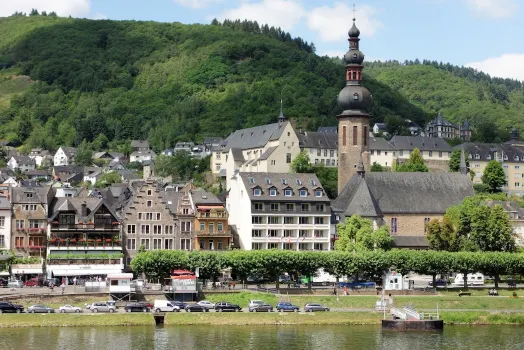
(279, 211)
(21, 162)
(142, 156)
(40, 156)
(5, 223)
(64, 156)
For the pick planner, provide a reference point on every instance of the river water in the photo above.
(261, 337)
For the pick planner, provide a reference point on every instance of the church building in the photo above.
(405, 202)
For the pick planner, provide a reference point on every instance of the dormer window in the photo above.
(318, 193)
(257, 192)
(505, 157)
(288, 193)
(273, 192)
(355, 96)
(251, 180)
(28, 195)
(477, 156)
(488, 156)
(470, 156)
(517, 158)
(303, 193)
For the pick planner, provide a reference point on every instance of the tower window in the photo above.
(355, 135)
(355, 76)
(354, 55)
(365, 136)
(344, 135)
(355, 95)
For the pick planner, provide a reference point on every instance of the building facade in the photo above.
(279, 211)
(321, 147)
(442, 128)
(150, 220)
(211, 222)
(64, 156)
(5, 223)
(84, 238)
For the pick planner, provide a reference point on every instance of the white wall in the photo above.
(60, 158)
(383, 157)
(238, 205)
(6, 229)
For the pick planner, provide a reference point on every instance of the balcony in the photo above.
(32, 230)
(57, 226)
(214, 233)
(211, 215)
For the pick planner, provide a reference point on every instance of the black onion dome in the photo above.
(354, 32)
(354, 97)
(354, 57)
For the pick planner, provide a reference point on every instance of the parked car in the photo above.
(225, 306)
(253, 303)
(136, 307)
(15, 284)
(40, 309)
(3, 282)
(165, 306)
(180, 304)
(69, 308)
(196, 308)
(284, 279)
(33, 282)
(10, 307)
(286, 306)
(55, 281)
(146, 304)
(440, 282)
(207, 304)
(261, 308)
(310, 307)
(101, 307)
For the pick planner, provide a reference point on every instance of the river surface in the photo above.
(259, 337)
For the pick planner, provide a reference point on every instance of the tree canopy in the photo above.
(494, 177)
(415, 163)
(357, 234)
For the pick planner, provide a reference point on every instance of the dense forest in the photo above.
(65, 80)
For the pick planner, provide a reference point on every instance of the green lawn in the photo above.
(368, 302)
(74, 320)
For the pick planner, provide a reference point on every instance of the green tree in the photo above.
(328, 177)
(442, 235)
(377, 168)
(494, 176)
(415, 163)
(84, 155)
(107, 179)
(454, 161)
(491, 230)
(164, 165)
(301, 164)
(356, 234)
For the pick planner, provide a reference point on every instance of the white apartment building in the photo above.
(279, 211)
(64, 156)
(266, 148)
(5, 223)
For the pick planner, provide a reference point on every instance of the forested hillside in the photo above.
(64, 80)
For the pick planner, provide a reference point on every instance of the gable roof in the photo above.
(312, 139)
(283, 180)
(69, 151)
(362, 201)
(488, 151)
(379, 143)
(254, 137)
(68, 204)
(406, 193)
(200, 196)
(140, 143)
(37, 194)
(328, 129)
(20, 160)
(420, 142)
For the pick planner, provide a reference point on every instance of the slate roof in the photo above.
(38, 194)
(171, 200)
(237, 154)
(420, 142)
(267, 153)
(24, 160)
(410, 242)
(328, 129)
(508, 206)
(4, 203)
(201, 197)
(379, 143)
(67, 204)
(140, 143)
(35, 172)
(439, 120)
(69, 151)
(404, 193)
(265, 181)
(488, 151)
(255, 137)
(312, 139)
(213, 140)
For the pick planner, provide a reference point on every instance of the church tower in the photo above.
(353, 122)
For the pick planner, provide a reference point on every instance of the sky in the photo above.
(483, 34)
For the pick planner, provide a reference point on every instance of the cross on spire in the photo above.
(354, 12)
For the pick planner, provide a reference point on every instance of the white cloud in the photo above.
(99, 16)
(493, 8)
(197, 4)
(505, 66)
(333, 22)
(279, 13)
(75, 8)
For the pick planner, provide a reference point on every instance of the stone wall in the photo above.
(410, 224)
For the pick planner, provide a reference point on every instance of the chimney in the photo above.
(84, 210)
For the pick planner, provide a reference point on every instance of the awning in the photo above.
(26, 271)
(84, 272)
(210, 207)
(4, 273)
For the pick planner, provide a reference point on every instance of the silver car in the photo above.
(40, 309)
(69, 308)
(102, 307)
(206, 304)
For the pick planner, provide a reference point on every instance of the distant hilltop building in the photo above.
(442, 128)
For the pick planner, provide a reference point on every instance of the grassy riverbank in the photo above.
(75, 320)
(368, 302)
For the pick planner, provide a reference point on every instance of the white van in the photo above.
(474, 279)
(165, 306)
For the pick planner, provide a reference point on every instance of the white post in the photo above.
(438, 318)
